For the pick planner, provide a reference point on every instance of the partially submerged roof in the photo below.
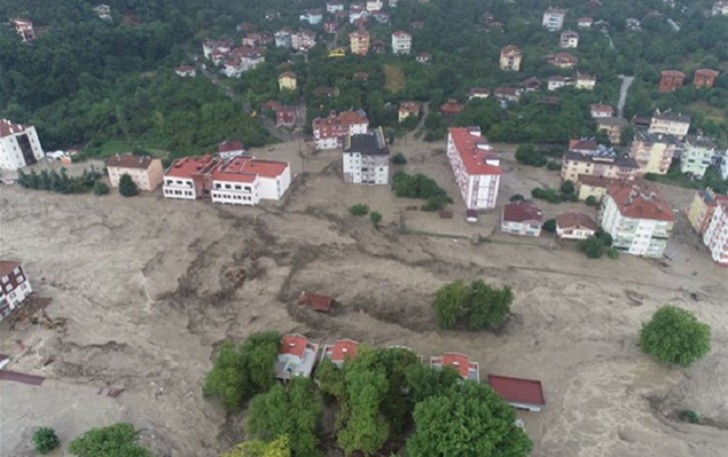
(576, 220)
(521, 212)
(315, 301)
(518, 390)
(129, 161)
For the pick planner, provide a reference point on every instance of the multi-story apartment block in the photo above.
(283, 38)
(705, 77)
(303, 40)
(602, 162)
(477, 170)
(553, 19)
(24, 28)
(569, 39)
(366, 158)
(638, 218)
(653, 152)
(613, 127)
(287, 81)
(696, 154)
(146, 172)
(14, 286)
(19, 145)
(670, 124)
(359, 42)
(723, 161)
(716, 235)
(331, 132)
(510, 58)
(701, 209)
(401, 42)
(670, 80)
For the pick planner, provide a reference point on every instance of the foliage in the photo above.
(516, 198)
(553, 165)
(359, 209)
(675, 336)
(239, 373)
(257, 448)
(375, 217)
(549, 225)
(468, 420)
(567, 187)
(420, 186)
(597, 245)
(591, 201)
(527, 154)
(292, 411)
(424, 381)
(478, 305)
(365, 430)
(45, 440)
(688, 415)
(127, 186)
(612, 253)
(399, 159)
(101, 188)
(59, 182)
(115, 440)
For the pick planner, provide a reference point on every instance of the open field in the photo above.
(142, 286)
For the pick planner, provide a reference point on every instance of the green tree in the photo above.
(593, 247)
(487, 307)
(127, 186)
(257, 448)
(399, 159)
(549, 225)
(359, 209)
(375, 217)
(115, 440)
(45, 440)
(567, 187)
(292, 411)
(365, 429)
(468, 420)
(675, 336)
(449, 302)
(424, 381)
(239, 373)
(101, 188)
(527, 154)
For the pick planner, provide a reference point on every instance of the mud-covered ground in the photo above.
(143, 289)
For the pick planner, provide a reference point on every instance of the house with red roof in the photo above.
(638, 217)
(230, 149)
(185, 71)
(521, 218)
(341, 351)
(467, 369)
(520, 393)
(316, 302)
(296, 357)
(407, 109)
(600, 110)
(331, 131)
(670, 80)
(14, 286)
(451, 108)
(575, 225)
(475, 167)
(705, 77)
(286, 116)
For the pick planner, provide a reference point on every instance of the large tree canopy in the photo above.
(675, 336)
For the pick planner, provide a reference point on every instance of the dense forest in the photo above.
(88, 80)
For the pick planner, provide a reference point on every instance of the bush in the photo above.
(688, 415)
(528, 155)
(650, 176)
(675, 336)
(549, 225)
(114, 441)
(45, 440)
(399, 159)
(553, 165)
(376, 218)
(101, 188)
(591, 201)
(420, 186)
(359, 209)
(517, 198)
(567, 187)
(612, 253)
(549, 195)
(436, 203)
(127, 186)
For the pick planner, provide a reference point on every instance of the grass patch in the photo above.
(393, 78)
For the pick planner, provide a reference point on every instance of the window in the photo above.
(6, 280)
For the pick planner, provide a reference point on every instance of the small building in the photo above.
(521, 218)
(103, 11)
(557, 82)
(705, 78)
(601, 111)
(613, 127)
(316, 302)
(283, 39)
(450, 109)
(585, 22)
(340, 352)
(424, 58)
(467, 369)
(401, 43)
(508, 94)
(524, 394)
(366, 158)
(670, 80)
(562, 60)
(669, 123)
(286, 116)
(146, 172)
(303, 40)
(374, 5)
(14, 286)
(296, 357)
(311, 17)
(585, 81)
(720, 8)
(359, 42)
(408, 109)
(379, 47)
(331, 132)
(716, 235)
(479, 93)
(287, 81)
(593, 186)
(334, 6)
(510, 58)
(19, 145)
(701, 209)
(185, 71)
(476, 169)
(575, 225)
(532, 84)
(569, 39)
(633, 24)
(553, 19)
(604, 162)
(696, 154)
(230, 149)
(24, 28)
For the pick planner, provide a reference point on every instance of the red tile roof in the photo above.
(409, 107)
(227, 146)
(129, 161)
(521, 212)
(8, 128)
(400, 34)
(639, 201)
(672, 73)
(707, 72)
(597, 181)
(188, 166)
(458, 361)
(575, 219)
(344, 349)
(451, 107)
(598, 107)
(293, 344)
(517, 390)
(473, 157)
(7, 267)
(315, 301)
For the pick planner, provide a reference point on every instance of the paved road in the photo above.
(626, 82)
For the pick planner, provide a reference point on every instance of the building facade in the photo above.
(340, 352)
(408, 109)
(19, 145)
(521, 218)
(607, 164)
(569, 39)
(670, 124)
(613, 127)
(146, 172)
(696, 154)
(575, 225)
(670, 80)
(296, 357)
(638, 218)
(716, 235)
(553, 19)
(653, 152)
(366, 158)
(331, 132)
(359, 42)
(287, 81)
(401, 43)
(476, 169)
(705, 78)
(14, 286)
(466, 368)
(510, 58)
(700, 211)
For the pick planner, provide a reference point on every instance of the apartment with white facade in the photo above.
(401, 43)
(638, 218)
(696, 154)
(14, 286)
(475, 167)
(716, 236)
(330, 132)
(553, 19)
(366, 158)
(569, 39)
(670, 124)
(19, 145)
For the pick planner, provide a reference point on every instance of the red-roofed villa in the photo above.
(340, 351)
(296, 357)
(461, 363)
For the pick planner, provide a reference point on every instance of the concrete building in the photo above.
(408, 109)
(521, 218)
(510, 58)
(593, 186)
(311, 17)
(303, 40)
(696, 154)
(283, 39)
(562, 60)
(331, 132)
(701, 209)
(19, 145)
(599, 111)
(359, 42)
(461, 363)
(724, 165)
(146, 172)
(476, 169)
(14, 286)
(287, 81)
(185, 71)
(340, 352)
(585, 81)
(401, 43)
(705, 78)
(569, 39)
(653, 152)
(670, 124)
(638, 218)
(24, 28)
(366, 158)
(605, 162)
(670, 80)
(613, 127)
(716, 235)
(575, 225)
(296, 357)
(553, 19)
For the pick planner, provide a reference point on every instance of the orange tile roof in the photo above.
(129, 161)
(639, 201)
(344, 349)
(293, 344)
(188, 166)
(473, 158)
(458, 361)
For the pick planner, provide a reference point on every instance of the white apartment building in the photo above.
(331, 132)
(670, 124)
(553, 19)
(638, 218)
(19, 145)
(374, 5)
(333, 7)
(282, 39)
(569, 39)
(696, 154)
(366, 158)
(476, 169)
(14, 286)
(716, 236)
(401, 43)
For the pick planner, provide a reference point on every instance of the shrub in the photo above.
(120, 439)
(516, 198)
(549, 225)
(549, 195)
(101, 188)
(528, 155)
(612, 253)
(567, 187)
(650, 176)
(593, 247)
(359, 209)
(688, 415)
(127, 186)
(553, 165)
(399, 159)
(45, 440)
(591, 201)
(436, 203)
(376, 218)
(675, 336)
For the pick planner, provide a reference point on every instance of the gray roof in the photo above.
(621, 162)
(645, 135)
(700, 141)
(675, 117)
(370, 143)
(612, 121)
